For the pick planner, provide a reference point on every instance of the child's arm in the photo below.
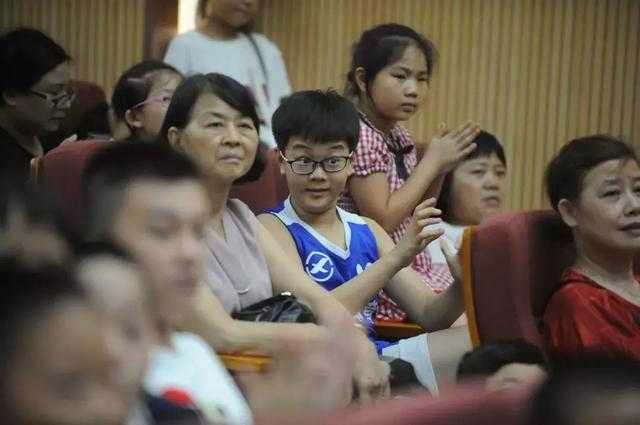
(431, 311)
(357, 292)
(390, 209)
(371, 375)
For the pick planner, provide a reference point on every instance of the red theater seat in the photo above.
(61, 170)
(267, 191)
(462, 406)
(512, 264)
(88, 103)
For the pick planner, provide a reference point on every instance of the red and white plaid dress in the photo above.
(375, 154)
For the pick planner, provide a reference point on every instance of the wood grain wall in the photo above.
(534, 72)
(103, 36)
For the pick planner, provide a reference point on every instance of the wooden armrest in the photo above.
(395, 330)
(245, 362)
(467, 286)
(36, 165)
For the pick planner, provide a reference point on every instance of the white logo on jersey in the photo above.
(319, 266)
(360, 269)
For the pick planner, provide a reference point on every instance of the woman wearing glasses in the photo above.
(141, 98)
(213, 121)
(34, 95)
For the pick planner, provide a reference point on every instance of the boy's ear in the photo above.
(132, 118)
(359, 76)
(281, 163)
(568, 213)
(173, 135)
(350, 171)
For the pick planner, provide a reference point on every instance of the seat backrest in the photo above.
(515, 264)
(89, 105)
(463, 405)
(61, 171)
(268, 190)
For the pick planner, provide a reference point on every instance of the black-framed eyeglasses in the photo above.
(306, 165)
(58, 99)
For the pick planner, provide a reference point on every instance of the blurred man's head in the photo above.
(55, 365)
(149, 200)
(114, 286)
(503, 364)
(591, 391)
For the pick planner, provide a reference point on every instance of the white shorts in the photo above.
(415, 350)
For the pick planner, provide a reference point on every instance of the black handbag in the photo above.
(283, 308)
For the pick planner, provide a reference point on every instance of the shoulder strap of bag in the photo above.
(256, 49)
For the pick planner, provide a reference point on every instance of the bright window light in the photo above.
(187, 15)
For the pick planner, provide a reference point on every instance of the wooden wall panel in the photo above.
(534, 72)
(103, 36)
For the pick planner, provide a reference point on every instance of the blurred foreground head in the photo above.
(55, 367)
(149, 200)
(503, 364)
(31, 229)
(591, 391)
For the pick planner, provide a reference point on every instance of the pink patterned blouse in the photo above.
(395, 156)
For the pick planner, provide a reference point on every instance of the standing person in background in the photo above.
(223, 42)
(34, 95)
(390, 72)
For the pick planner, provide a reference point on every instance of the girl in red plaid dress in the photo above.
(389, 76)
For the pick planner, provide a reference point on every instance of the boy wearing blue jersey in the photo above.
(349, 255)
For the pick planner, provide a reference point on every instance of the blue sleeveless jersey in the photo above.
(328, 264)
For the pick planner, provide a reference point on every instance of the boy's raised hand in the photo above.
(453, 257)
(422, 231)
(449, 147)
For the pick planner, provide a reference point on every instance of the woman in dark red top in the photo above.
(594, 184)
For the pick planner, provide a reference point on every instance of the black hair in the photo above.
(381, 46)
(110, 172)
(36, 205)
(229, 91)
(486, 145)
(134, 85)
(565, 174)
(94, 122)
(582, 381)
(26, 55)
(27, 293)
(317, 116)
(488, 359)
